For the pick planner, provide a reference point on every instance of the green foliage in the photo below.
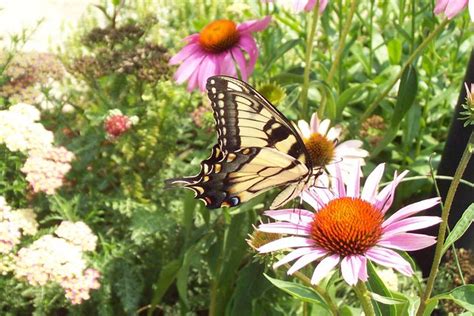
(160, 251)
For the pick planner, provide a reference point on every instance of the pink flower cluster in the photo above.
(58, 260)
(116, 123)
(45, 169)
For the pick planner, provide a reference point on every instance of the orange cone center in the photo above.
(347, 226)
(219, 36)
(320, 149)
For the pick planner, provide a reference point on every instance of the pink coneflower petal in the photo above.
(254, 25)
(411, 209)
(389, 258)
(322, 5)
(407, 241)
(371, 184)
(409, 224)
(241, 62)
(334, 133)
(471, 10)
(295, 254)
(340, 189)
(192, 38)
(184, 53)
(226, 64)
(440, 6)
(350, 267)
(363, 275)
(305, 260)
(455, 7)
(353, 184)
(384, 199)
(324, 126)
(248, 44)
(292, 215)
(300, 5)
(285, 228)
(206, 69)
(286, 242)
(186, 70)
(324, 267)
(314, 124)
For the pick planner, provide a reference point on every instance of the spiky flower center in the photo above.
(320, 149)
(347, 226)
(219, 36)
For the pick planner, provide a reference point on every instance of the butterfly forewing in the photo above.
(244, 118)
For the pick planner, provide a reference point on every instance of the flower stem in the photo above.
(340, 49)
(307, 60)
(322, 292)
(466, 156)
(407, 63)
(364, 297)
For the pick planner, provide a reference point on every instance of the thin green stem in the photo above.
(340, 49)
(466, 156)
(407, 179)
(407, 63)
(342, 40)
(307, 60)
(453, 247)
(364, 298)
(322, 292)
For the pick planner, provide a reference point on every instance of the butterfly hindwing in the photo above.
(233, 178)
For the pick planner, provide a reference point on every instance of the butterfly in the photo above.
(258, 149)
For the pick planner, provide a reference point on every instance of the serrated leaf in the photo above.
(463, 296)
(460, 228)
(128, 283)
(298, 291)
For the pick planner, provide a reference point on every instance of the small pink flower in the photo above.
(216, 50)
(298, 6)
(116, 123)
(348, 228)
(451, 8)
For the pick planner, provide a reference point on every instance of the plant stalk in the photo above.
(466, 156)
(322, 292)
(309, 54)
(364, 297)
(407, 63)
(340, 49)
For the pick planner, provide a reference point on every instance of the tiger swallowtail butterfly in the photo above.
(257, 149)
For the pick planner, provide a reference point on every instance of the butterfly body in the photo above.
(258, 149)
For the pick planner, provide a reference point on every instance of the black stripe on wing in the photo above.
(244, 118)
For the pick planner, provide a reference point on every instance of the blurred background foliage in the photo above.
(160, 251)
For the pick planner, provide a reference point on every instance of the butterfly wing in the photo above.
(258, 149)
(244, 118)
(228, 179)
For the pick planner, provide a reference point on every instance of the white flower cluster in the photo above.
(46, 164)
(60, 259)
(78, 234)
(20, 131)
(45, 169)
(14, 224)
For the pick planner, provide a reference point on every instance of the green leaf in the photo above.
(128, 284)
(463, 296)
(394, 49)
(406, 98)
(280, 51)
(461, 227)
(349, 95)
(298, 291)
(166, 278)
(387, 300)
(376, 286)
(406, 95)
